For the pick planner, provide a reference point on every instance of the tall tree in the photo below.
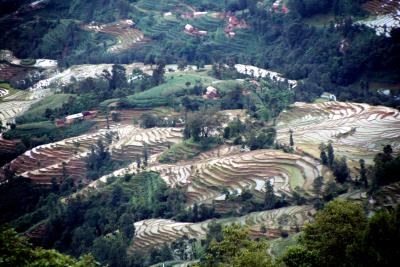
(331, 154)
(158, 74)
(118, 77)
(317, 184)
(341, 170)
(269, 198)
(145, 155)
(363, 173)
(323, 156)
(326, 240)
(291, 141)
(237, 249)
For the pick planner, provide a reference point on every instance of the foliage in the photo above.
(203, 124)
(38, 133)
(103, 222)
(342, 235)
(237, 249)
(19, 196)
(184, 151)
(386, 167)
(17, 251)
(270, 198)
(98, 161)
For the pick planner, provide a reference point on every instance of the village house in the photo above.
(328, 96)
(167, 14)
(233, 23)
(211, 93)
(199, 14)
(71, 119)
(189, 29)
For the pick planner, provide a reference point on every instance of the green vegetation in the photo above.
(38, 133)
(237, 249)
(17, 251)
(11, 90)
(102, 223)
(182, 151)
(342, 234)
(176, 85)
(28, 61)
(38, 110)
(315, 43)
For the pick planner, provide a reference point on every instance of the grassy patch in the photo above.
(188, 149)
(48, 131)
(175, 86)
(10, 89)
(182, 151)
(320, 20)
(226, 85)
(51, 102)
(280, 245)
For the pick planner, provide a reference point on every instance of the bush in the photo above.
(28, 61)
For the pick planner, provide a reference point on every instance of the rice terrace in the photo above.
(199, 133)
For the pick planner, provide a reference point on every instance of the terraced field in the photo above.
(44, 162)
(126, 35)
(7, 145)
(8, 71)
(132, 141)
(262, 73)
(385, 16)
(381, 7)
(11, 109)
(157, 232)
(356, 130)
(205, 179)
(161, 6)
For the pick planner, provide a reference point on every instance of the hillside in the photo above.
(199, 133)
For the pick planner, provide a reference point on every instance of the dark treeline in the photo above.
(339, 57)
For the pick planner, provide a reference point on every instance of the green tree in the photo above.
(2, 128)
(148, 120)
(17, 251)
(126, 224)
(323, 156)
(331, 154)
(363, 173)
(237, 249)
(378, 244)
(158, 74)
(325, 241)
(291, 141)
(317, 184)
(201, 124)
(145, 155)
(341, 170)
(118, 77)
(269, 198)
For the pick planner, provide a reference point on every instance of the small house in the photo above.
(211, 93)
(74, 118)
(328, 96)
(60, 123)
(199, 14)
(89, 114)
(189, 28)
